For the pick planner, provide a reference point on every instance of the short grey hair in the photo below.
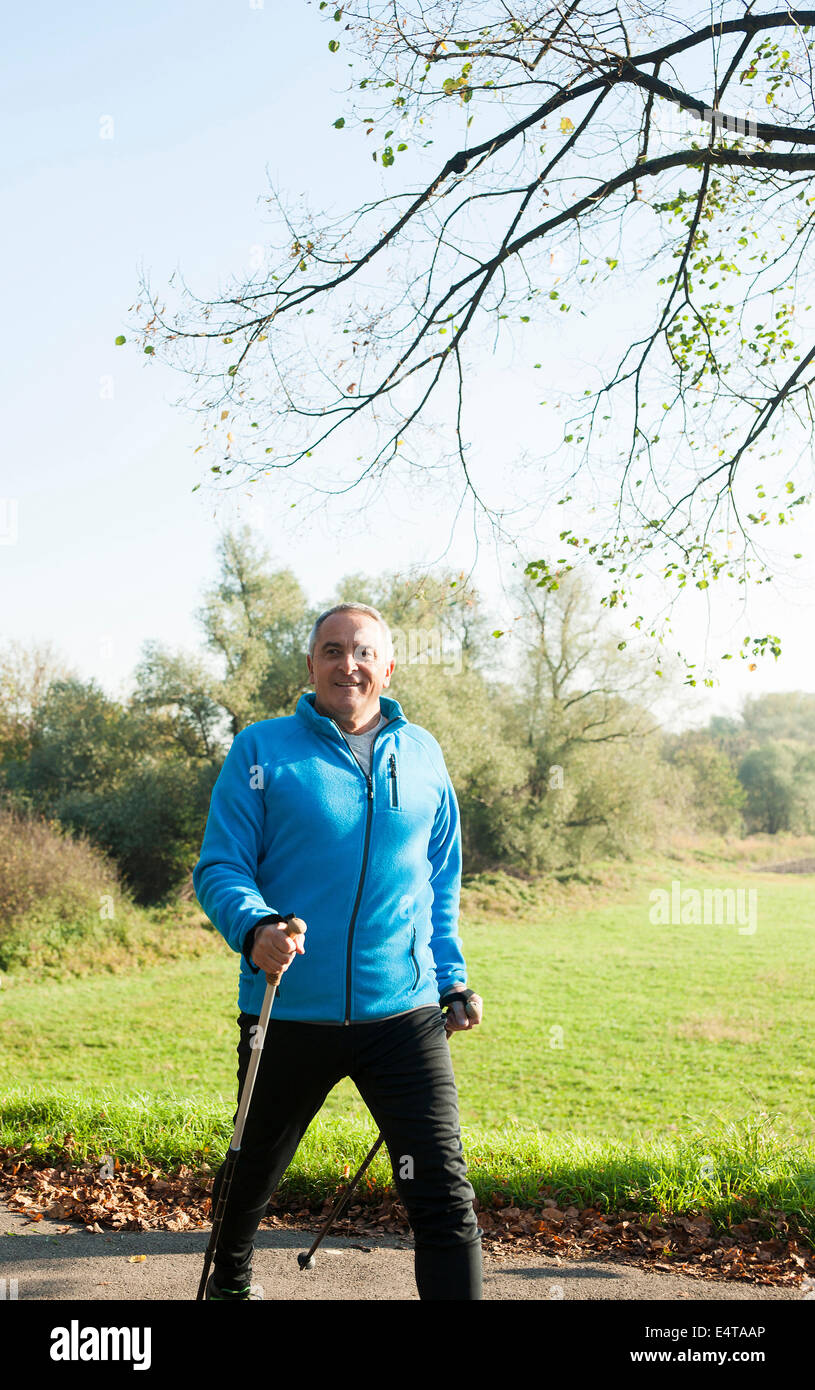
(353, 608)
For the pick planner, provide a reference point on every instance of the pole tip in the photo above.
(305, 1261)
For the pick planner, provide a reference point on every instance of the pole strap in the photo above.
(453, 996)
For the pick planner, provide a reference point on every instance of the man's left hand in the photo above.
(460, 1016)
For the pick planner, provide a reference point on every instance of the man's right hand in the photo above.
(274, 950)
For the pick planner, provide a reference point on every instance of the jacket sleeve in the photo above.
(444, 853)
(225, 876)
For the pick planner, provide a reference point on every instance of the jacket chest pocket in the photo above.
(394, 800)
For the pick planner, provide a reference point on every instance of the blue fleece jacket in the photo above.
(372, 864)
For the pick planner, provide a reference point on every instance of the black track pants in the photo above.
(402, 1069)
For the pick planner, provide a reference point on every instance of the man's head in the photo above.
(350, 663)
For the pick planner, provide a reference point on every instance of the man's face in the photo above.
(348, 669)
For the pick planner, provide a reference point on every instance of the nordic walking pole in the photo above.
(295, 927)
(306, 1258)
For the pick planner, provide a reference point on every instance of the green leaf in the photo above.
(121, 339)
(333, 45)
(149, 349)
(338, 124)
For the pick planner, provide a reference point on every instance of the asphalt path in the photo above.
(41, 1264)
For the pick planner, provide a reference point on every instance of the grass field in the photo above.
(608, 1038)
(596, 1021)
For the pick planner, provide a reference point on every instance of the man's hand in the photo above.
(274, 950)
(462, 1016)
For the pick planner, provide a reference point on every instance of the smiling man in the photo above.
(344, 813)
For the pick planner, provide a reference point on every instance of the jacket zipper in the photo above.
(369, 812)
(394, 783)
(413, 956)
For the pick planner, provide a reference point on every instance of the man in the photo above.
(344, 814)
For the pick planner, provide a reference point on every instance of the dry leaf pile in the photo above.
(766, 1249)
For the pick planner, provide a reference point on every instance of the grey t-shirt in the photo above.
(361, 744)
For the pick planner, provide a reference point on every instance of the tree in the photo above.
(787, 715)
(258, 622)
(133, 778)
(26, 672)
(612, 144)
(717, 796)
(435, 618)
(584, 704)
(780, 784)
(177, 691)
(81, 739)
(150, 821)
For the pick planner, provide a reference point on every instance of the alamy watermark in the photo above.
(710, 907)
(419, 646)
(75, 1343)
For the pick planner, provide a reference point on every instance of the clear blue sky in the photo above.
(105, 544)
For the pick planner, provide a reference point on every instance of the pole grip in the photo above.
(295, 926)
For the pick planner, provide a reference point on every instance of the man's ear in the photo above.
(388, 674)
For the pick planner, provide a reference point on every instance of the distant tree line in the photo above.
(556, 757)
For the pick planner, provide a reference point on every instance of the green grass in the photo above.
(614, 1051)
(727, 1170)
(596, 1021)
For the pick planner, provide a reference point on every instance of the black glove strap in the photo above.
(455, 995)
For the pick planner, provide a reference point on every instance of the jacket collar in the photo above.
(323, 724)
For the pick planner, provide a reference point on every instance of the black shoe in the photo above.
(247, 1293)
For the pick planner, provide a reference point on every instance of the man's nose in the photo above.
(348, 662)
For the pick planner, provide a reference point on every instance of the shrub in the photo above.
(63, 910)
